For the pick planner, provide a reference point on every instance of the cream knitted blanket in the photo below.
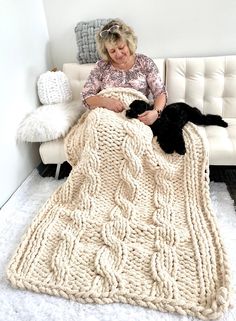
(131, 224)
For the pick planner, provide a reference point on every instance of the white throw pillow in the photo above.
(54, 88)
(49, 122)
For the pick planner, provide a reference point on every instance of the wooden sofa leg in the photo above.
(57, 171)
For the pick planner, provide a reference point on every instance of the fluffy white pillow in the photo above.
(49, 122)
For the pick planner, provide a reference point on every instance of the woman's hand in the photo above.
(113, 104)
(105, 102)
(148, 117)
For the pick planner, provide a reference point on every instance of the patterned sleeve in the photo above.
(93, 84)
(154, 80)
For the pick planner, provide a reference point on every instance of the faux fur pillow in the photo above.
(49, 122)
(85, 32)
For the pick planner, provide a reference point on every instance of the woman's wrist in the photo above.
(158, 110)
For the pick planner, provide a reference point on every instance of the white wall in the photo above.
(24, 55)
(164, 28)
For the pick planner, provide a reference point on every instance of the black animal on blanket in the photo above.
(168, 127)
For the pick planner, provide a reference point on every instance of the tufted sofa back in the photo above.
(207, 83)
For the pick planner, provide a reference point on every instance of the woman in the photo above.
(122, 67)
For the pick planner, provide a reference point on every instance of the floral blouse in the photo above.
(143, 76)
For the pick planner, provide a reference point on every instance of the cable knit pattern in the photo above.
(131, 224)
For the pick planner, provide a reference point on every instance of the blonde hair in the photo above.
(124, 33)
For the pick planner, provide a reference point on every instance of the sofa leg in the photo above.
(57, 171)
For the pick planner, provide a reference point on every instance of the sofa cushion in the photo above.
(222, 143)
(53, 152)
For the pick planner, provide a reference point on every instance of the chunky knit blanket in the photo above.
(131, 224)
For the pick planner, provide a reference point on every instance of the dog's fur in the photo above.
(168, 127)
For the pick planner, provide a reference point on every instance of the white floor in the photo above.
(16, 215)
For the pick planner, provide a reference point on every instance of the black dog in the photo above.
(168, 127)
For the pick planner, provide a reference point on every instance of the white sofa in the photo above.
(208, 83)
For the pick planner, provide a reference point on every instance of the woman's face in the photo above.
(118, 52)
